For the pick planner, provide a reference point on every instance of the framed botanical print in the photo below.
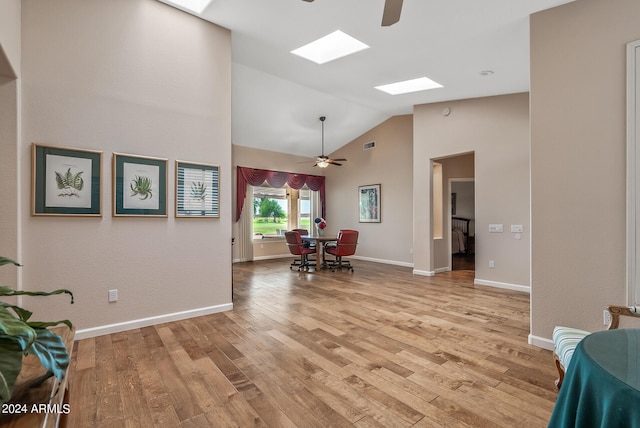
(65, 181)
(139, 186)
(369, 200)
(197, 190)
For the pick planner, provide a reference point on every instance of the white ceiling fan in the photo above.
(391, 14)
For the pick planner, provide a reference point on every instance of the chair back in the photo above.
(294, 242)
(302, 232)
(347, 242)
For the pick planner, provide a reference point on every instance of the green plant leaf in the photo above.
(3, 292)
(53, 355)
(6, 261)
(22, 313)
(16, 328)
(10, 366)
(45, 324)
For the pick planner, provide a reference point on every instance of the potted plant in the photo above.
(19, 337)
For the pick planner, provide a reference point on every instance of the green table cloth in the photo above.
(602, 384)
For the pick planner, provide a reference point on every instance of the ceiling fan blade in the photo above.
(336, 163)
(391, 14)
(308, 0)
(339, 160)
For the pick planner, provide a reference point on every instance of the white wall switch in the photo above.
(517, 228)
(495, 228)
(492, 264)
(113, 295)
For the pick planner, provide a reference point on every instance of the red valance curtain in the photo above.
(256, 177)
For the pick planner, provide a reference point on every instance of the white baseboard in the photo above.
(275, 256)
(541, 342)
(505, 285)
(423, 272)
(383, 261)
(145, 322)
(443, 269)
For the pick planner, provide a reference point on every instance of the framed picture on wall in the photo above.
(65, 181)
(369, 201)
(197, 190)
(139, 186)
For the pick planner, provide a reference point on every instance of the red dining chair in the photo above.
(344, 246)
(297, 248)
(307, 244)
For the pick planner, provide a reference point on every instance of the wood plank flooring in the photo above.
(377, 347)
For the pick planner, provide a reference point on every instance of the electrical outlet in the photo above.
(606, 317)
(492, 264)
(113, 295)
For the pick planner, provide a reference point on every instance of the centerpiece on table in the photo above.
(320, 224)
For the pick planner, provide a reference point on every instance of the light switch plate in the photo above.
(517, 228)
(495, 228)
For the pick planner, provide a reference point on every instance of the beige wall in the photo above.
(9, 134)
(10, 38)
(388, 164)
(496, 130)
(107, 75)
(578, 161)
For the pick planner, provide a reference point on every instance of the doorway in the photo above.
(462, 221)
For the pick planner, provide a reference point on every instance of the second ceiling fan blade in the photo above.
(391, 14)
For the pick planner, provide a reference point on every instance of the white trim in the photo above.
(633, 196)
(443, 269)
(146, 322)
(424, 272)
(541, 342)
(273, 256)
(504, 285)
(384, 261)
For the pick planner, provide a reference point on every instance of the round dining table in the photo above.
(602, 384)
(319, 240)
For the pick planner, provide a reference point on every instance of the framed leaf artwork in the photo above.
(197, 190)
(65, 181)
(139, 186)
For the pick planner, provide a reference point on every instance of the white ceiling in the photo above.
(278, 97)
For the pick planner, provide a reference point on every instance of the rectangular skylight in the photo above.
(413, 85)
(196, 6)
(330, 47)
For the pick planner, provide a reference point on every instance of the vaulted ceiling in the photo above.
(278, 97)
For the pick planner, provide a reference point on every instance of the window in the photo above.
(276, 210)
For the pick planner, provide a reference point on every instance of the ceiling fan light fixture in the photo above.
(407, 86)
(330, 47)
(323, 163)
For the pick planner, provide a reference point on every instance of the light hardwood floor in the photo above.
(377, 347)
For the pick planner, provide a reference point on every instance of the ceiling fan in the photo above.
(323, 161)
(391, 14)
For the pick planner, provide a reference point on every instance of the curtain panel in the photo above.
(256, 177)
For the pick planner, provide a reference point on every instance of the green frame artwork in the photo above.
(139, 186)
(65, 181)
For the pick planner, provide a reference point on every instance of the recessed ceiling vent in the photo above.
(369, 146)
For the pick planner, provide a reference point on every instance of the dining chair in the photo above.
(344, 246)
(566, 339)
(297, 248)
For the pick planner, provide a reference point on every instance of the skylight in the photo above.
(332, 46)
(196, 6)
(413, 85)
